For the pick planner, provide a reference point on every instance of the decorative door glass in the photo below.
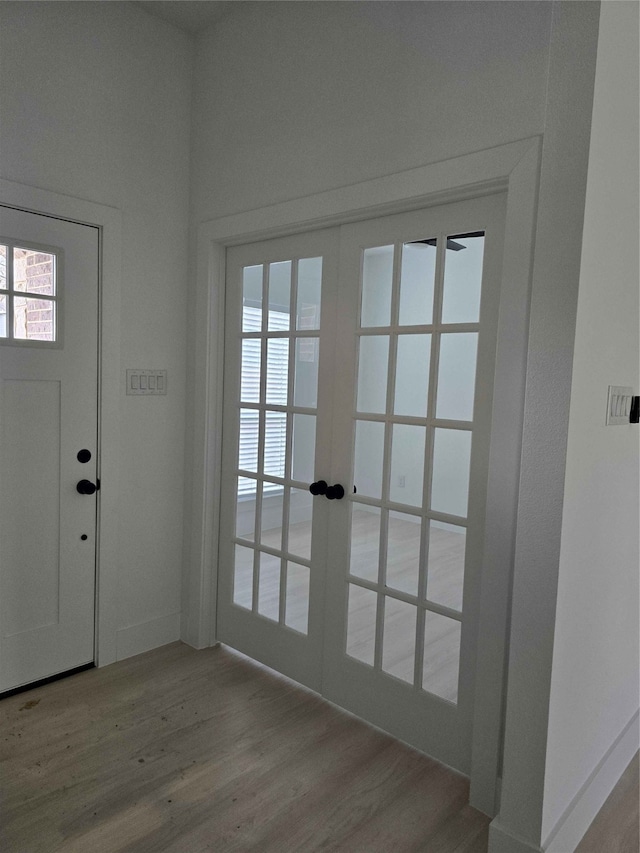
(417, 343)
(29, 294)
(280, 350)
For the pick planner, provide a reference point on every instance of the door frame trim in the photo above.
(108, 221)
(513, 168)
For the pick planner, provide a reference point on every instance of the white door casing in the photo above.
(48, 414)
(407, 670)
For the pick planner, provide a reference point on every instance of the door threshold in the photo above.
(42, 681)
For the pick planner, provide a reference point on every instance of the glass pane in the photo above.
(33, 319)
(304, 448)
(407, 464)
(361, 624)
(412, 375)
(372, 373)
(309, 292)
(248, 440)
(271, 518)
(297, 608)
(279, 296)
(403, 552)
(277, 371)
(269, 586)
(34, 271)
(243, 577)
(245, 510)
(305, 392)
(300, 523)
(247, 486)
(250, 380)
(399, 643)
(369, 450)
(275, 444)
(450, 484)
(457, 376)
(365, 542)
(252, 299)
(441, 656)
(3, 316)
(462, 280)
(445, 572)
(416, 283)
(3, 267)
(377, 279)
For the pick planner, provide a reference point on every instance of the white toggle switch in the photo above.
(147, 382)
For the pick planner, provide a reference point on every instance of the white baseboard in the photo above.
(578, 816)
(147, 635)
(501, 840)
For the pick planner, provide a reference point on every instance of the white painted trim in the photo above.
(437, 183)
(200, 587)
(147, 635)
(503, 479)
(581, 811)
(512, 168)
(109, 221)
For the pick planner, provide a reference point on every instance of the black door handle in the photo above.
(335, 493)
(318, 488)
(86, 487)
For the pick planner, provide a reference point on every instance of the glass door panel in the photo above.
(272, 534)
(412, 340)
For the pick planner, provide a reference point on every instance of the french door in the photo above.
(358, 386)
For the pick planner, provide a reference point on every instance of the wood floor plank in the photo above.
(183, 751)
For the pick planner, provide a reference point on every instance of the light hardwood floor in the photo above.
(183, 751)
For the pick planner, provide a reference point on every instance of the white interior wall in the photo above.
(91, 107)
(594, 686)
(296, 98)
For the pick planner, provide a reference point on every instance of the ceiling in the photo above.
(189, 15)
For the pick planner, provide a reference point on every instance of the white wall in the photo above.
(594, 687)
(296, 98)
(95, 103)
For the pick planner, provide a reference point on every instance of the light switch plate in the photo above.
(147, 382)
(619, 404)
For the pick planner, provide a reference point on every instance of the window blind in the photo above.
(277, 378)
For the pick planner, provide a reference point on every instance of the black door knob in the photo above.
(335, 493)
(318, 488)
(86, 487)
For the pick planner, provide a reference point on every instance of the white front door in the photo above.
(48, 445)
(395, 529)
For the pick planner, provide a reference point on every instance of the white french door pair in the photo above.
(358, 382)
